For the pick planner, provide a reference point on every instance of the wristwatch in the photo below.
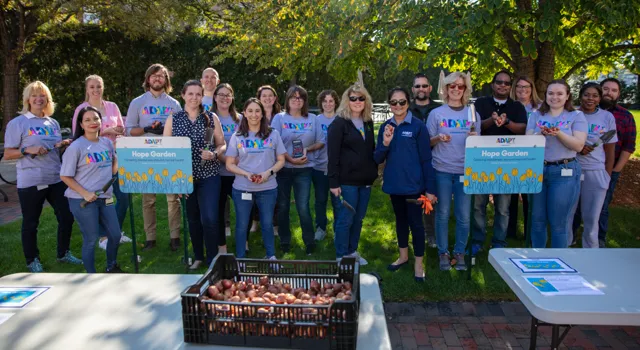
(272, 172)
(506, 122)
(23, 151)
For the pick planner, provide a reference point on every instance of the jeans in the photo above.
(265, 201)
(226, 185)
(202, 214)
(556, 205)
(321, 186)
(501, 204)
(300, 180)
(408, 215)
(91, 218)
(348, 224)
(603, 223)
(446, 185)
(31, 202)
(122, 204)
(512, 229)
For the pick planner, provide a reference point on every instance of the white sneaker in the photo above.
(124, 239)
(103, 244)
(361, 260)
(227, 231)
(320, 234)
(254, 226)
(275, 231)
(275, 267)
(196, 265)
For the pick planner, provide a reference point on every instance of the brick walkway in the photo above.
(9, 211)
(449, 325)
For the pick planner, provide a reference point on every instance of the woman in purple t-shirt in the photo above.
(565, 130)
(34, 139)
(87, 166)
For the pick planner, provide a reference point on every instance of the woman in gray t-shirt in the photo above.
(88, 166)
(565, 130)
(34, 140)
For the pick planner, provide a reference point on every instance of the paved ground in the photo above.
(465, 325)
(9, 211)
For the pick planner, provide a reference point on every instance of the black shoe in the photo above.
(115, 269)
(148, 245)
(392, 267)
(174, 244)
(285, 248)
(310, 249)
(419, 279)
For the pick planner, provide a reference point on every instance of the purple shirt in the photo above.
(598, 123)
(146, 109)
(256, 156)
(448, 157)
(320, 158)
(567, 122)
(90, 164)
(296, 128)
(28, 130)
(229, 127)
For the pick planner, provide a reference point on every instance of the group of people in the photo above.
(257, 155)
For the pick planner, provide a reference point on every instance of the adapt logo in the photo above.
(505, 140)
(152, 141)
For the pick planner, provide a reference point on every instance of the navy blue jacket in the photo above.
(408, 170)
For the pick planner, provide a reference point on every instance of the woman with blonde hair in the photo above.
(112, 127)
(351, 168)
(34, 139)
(449, 126)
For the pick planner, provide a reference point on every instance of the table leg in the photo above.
(556, 337)
(534, 333)
(555, 333)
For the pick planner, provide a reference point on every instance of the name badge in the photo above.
(462, 178)
(108, 201)
(41, 187)
(246, 196)
(566, 172)
(407, 133)
(581, 177)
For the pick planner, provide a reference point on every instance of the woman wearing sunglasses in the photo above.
(449, 126)
(403, 142)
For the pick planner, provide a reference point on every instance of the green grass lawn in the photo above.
(636, 117)
(378, 245)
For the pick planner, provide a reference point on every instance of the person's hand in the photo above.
(119, 130)
(472, 133)
(89, 197)
(207, 155)
(299, 161)
(387, 136)
(432, 198)
(264, 176)
(586, 150)
(250, 177)
(444, 137)
(499, 120)
(63, 143)
(36, 150)
(336, 191)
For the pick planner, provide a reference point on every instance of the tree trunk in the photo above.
(10, 88)
(545, 67)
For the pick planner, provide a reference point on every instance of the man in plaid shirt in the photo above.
(625, 147)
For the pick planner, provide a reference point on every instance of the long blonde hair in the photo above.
(86, 81)
(35, 87)
(535, 100)
(450, 79)
(344, 110)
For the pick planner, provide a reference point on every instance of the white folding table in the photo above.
(612, 271)
(132, 311)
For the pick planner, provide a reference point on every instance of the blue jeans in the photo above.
(266, 202)
(447, 185)
(348, 224)
(202, 214)
(501, 203)
(603, 223)
(321, 186)
(90, 219)
(122, 204)
(555, 204)
(300, 180)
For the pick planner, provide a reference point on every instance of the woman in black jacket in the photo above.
(351, 167)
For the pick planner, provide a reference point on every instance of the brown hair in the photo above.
(325, 93)
(568, 105)
(197, 83)
(303, 94)
(265, 129)
(276, 105)
(232, 108)
(153, 69)
(535, 100)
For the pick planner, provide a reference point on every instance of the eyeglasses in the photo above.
(424, 86)
(357, 98)
(461, 87)
(502, 82)
(224, 95)
(297, 98)
(158, 76)
(398, 102)
(523, 87)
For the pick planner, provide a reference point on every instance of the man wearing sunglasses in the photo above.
(420, 107)
(500, 116)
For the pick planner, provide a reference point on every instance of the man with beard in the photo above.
(626, 145)
(420, 107)
(146, 117)
(500, 116)
(210, 80)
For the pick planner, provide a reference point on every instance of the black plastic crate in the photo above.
(332, 326)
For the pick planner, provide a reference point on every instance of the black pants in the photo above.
(225, 193)
(31, 202)
(409, 215)
(512, 229)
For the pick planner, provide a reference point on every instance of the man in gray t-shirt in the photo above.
(210, 79)
(146, 117)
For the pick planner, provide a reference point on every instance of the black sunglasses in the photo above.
(424, 86)
(357, 98)
(396, 102)
(502, 82)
